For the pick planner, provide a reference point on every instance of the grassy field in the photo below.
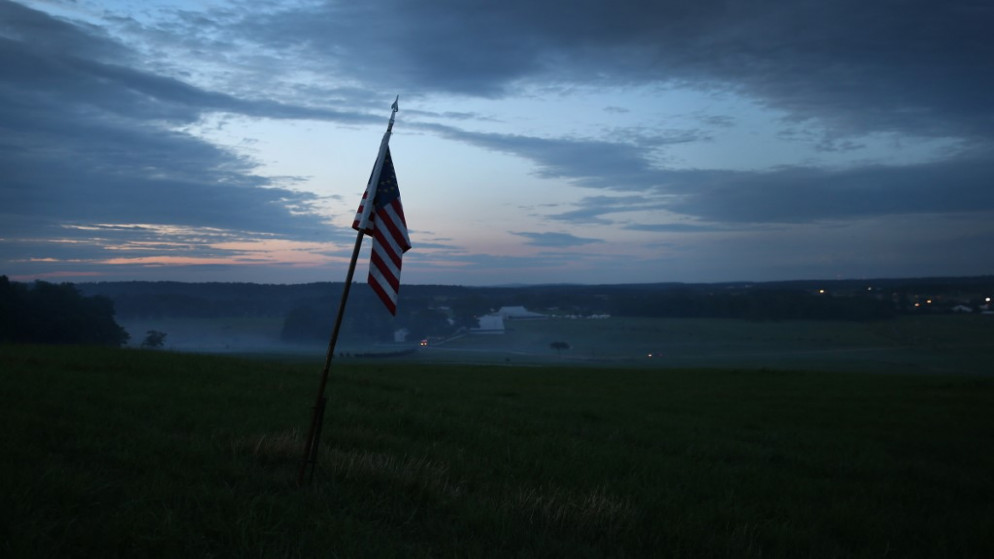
(127, 453)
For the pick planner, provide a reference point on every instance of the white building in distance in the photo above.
(489, 324)
(493, 323)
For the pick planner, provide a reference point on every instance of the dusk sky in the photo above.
(538, 141)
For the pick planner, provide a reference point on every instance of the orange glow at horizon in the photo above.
(244, 253)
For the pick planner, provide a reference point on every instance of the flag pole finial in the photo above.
(393, 111)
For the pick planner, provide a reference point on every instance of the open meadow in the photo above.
(128, 453)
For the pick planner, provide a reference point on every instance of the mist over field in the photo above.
(884, 326)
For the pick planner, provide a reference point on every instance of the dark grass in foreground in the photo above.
(128, 453)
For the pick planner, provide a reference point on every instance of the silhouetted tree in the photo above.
(559, 347)
(154, 339)
(56, 313)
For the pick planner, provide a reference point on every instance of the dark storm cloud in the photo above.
(103, 171)
(36, 63)
(587, 162)
(913, 66)
(804, 194)
(48, 34)
(801, 194)
(87, 139)
(786, 194)
(425, 46)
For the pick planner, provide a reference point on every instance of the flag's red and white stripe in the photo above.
(390, 242)
(360, 223)
(388, 227)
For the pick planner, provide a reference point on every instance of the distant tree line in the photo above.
(308, 310)
(424, 308)
(142, 299)
(761, 304)
(51, 313)
(65, 313)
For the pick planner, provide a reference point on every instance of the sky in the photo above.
(538, 141)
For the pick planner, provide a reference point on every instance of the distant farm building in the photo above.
(489, 324)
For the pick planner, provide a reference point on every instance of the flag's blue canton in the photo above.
(387, 190)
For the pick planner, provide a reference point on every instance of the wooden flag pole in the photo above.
(317, 419)
(309, 460)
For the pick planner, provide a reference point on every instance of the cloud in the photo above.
(50, 35)
(804, 194)
(780, 195)
(87, 140)
(558, 240)
(871, 74)
(587, 162)
(916, 67)
(845, 68)
(676, 227)
(593, 209)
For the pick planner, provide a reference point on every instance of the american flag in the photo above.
(386, 224)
